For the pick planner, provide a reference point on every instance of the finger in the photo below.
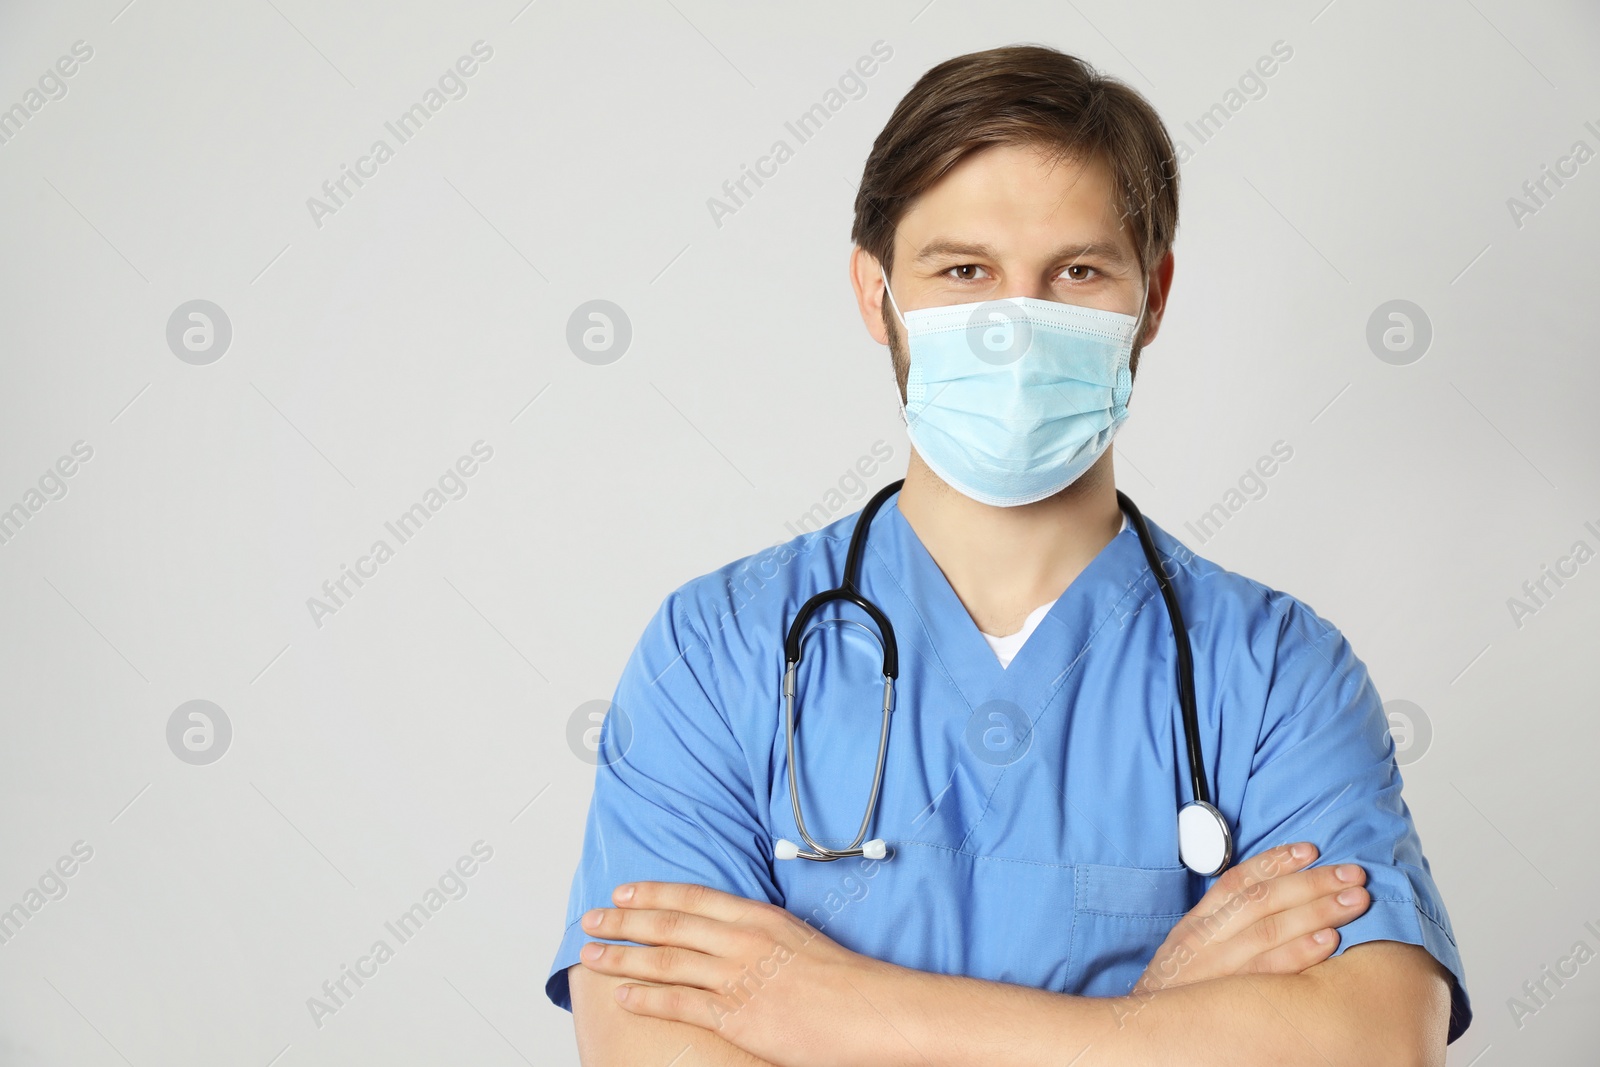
(664, 966)
(1263, 866)
(1276, 896)
(676, 1003)
(1236, 899)
(652, 927)
(685, 897)
(1281, 928)
(1296, 955)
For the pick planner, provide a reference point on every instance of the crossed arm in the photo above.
(721, 981)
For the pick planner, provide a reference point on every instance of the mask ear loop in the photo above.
(890, 294)
(1144, 306)
(1136, 335)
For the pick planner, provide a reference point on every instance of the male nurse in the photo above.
(1033, 909)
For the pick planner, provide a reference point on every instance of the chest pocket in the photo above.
(1120, 917)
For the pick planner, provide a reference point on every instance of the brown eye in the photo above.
(1074, 270)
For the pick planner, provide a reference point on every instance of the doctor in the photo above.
(1013, 237)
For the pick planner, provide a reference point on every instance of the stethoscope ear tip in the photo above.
(786, 850)
(875, 849)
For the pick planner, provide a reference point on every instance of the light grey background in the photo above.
(431, 312)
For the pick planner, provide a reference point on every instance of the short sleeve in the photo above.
(673, 799)
(1324, 771)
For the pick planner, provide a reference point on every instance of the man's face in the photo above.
(1012, 222)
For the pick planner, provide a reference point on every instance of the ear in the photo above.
(866, 278)
(1156, 302)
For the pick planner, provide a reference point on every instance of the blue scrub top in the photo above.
(1031, 811)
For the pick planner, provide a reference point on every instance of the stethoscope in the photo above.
(1205, 842)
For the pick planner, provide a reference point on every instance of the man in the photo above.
(1013, 238)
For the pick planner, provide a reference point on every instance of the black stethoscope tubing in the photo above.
(848, 591)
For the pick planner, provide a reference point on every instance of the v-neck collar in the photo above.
(1021, 634)
(931, 622)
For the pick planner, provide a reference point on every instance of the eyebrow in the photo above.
(944, 246)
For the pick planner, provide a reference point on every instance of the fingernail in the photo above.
(1322, 937)
(1300, 851)
(592, 919)
(1349, 897)
(622, 993)
(1346, 872)
(591, 952)
(624, 892)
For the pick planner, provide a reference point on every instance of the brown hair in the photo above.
(1019, 95)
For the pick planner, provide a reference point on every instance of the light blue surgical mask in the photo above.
(1009, 401)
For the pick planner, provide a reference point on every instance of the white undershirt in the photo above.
(1007, 647)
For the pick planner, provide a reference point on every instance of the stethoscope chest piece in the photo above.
(1205, 844)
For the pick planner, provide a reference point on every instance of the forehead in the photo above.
(1021, 199)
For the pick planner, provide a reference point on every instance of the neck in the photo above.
(1005, 562)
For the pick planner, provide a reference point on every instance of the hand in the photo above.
(1266, 915)
(751, 972)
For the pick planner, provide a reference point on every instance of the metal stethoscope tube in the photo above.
(874, 849)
